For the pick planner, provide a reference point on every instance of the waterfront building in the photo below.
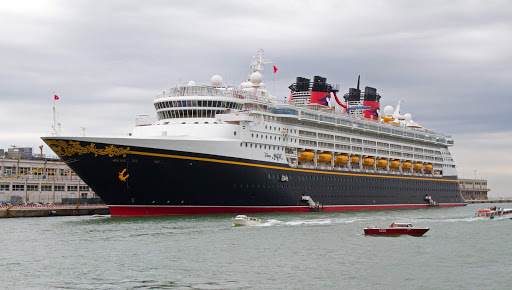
(474, 189)
(38, 178)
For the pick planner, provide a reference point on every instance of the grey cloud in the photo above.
(450, 60)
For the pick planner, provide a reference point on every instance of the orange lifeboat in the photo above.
(324, 158)
(394, 164)
(428, 167)
(417, 166)
(306, 156)
(341, 159)
(406, 165)
(368, 161)
(382, 163)
(354, 159)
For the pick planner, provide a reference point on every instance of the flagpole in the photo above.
(54, 117)
(274, 77)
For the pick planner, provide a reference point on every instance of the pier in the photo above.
(489, 200)
(52, 210)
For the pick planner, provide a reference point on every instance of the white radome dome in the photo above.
(191, 83)
(262, 85)
(388, 111)
(217, 81)
(407, 117)
(256, 78)
(246, 85)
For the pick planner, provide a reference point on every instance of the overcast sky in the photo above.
(450, 60)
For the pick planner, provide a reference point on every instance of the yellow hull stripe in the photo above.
(277, 167)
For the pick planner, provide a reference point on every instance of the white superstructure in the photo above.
(247, 122)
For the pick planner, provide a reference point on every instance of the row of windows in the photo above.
(270, 147)
(171, 114)
(365, 180)
(35, 187)
(267, 127)
(198, 103)
(35, 171)
(266, 137)
(333, 187)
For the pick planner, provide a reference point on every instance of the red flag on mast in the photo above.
(275, 69)
(55, 97)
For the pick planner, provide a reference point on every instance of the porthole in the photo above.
(234, 133)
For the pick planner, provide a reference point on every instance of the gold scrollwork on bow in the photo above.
(62, 149)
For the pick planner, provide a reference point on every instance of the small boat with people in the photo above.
(243, 220)
(494, 213)
(396, 229)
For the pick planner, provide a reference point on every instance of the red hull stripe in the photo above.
(141, 210)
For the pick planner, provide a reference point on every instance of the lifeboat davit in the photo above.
(417, 166)
(394, 164)
(428, 167)
(368, 161)
(340, 159)
(406, 165)
(306, 156)
(354, 159)
(382, 163)
(324, 158)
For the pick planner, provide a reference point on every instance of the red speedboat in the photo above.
(396, 229)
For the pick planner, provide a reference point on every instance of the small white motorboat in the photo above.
(99, 216)
(243, 220)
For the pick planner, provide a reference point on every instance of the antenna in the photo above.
(358, 78)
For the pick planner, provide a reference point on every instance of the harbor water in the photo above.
(287, 251)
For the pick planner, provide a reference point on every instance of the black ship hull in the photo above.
(136, 181)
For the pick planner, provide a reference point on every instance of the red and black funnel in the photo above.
(319, 90)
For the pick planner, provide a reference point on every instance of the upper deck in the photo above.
(208, 101)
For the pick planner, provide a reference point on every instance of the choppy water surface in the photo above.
(294, 251)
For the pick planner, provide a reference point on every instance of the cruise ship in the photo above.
(216, 149)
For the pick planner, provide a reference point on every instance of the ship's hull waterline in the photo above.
(138, 181)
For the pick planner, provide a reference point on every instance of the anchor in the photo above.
(123, 177)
